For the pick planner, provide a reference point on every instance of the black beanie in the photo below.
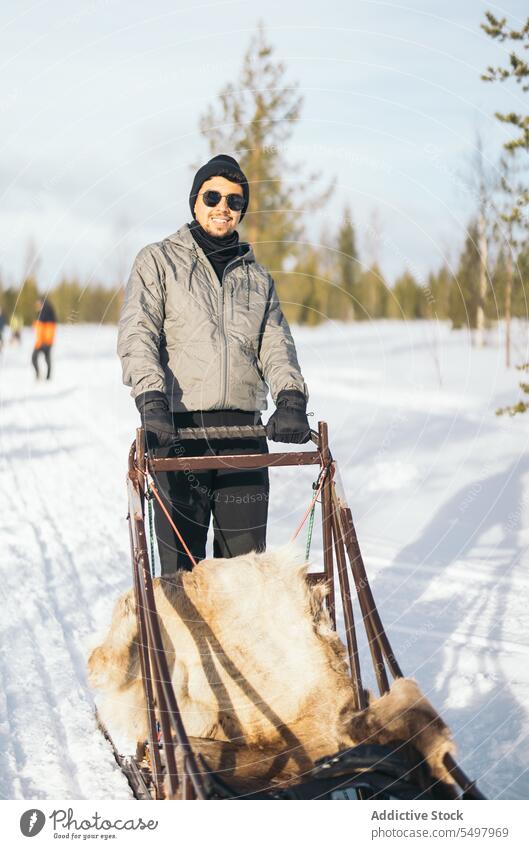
(218, 166)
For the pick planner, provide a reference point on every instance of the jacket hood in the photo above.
(184, 237)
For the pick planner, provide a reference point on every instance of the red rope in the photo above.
(312, 503)
(156, 494)
(175, 529)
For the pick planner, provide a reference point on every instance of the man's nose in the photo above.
(223, 204)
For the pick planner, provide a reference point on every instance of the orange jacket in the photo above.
(44, 333)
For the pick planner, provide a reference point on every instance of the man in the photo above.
(44, 325)
(201, 338)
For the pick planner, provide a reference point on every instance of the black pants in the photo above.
(237, 499)
(46, 350)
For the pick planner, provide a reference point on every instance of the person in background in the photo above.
(15, 326)
(44, 326)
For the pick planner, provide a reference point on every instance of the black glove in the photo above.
(289, 423)
(156, 420)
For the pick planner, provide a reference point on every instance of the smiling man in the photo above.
(202, 339)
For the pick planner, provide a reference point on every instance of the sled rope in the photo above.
(309, 514)
(310, 528)
(310, 509)
(151, 528)
(156, 494)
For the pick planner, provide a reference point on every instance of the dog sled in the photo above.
(174, 765)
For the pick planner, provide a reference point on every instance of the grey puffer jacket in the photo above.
(207, 346)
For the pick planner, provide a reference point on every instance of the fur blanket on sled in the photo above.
(254, 660)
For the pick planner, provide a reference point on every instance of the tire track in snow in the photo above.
(60, 720)
(482, 572)
(477, 641)
(39, 697)
(12, 751)
(35, 695)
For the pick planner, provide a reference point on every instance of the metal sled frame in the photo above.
(341, 551)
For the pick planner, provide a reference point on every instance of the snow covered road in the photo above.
(438, 486)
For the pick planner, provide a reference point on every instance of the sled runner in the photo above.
(175, 765)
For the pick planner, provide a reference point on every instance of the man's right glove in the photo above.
(156, 420)
(289, 423)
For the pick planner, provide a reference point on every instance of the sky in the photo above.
(101, 100)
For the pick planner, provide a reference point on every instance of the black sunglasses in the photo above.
(213, 198)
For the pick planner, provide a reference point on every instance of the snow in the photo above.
(439, 490)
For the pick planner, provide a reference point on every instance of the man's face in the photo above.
(219, 220)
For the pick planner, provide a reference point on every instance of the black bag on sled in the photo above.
(361, 772)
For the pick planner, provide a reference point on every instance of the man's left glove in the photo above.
(156, 420)
(289, 423)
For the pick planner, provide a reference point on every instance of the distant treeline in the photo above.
(328, 283)
(342, 289)
(73, 301)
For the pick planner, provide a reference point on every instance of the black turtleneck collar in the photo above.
(220, 250)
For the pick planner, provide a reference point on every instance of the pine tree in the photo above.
(25, 302)
(408, 297)
(345, 301)
(94, 303)
(306, 301)
(518, 70)
(464, 291)
(101, 304)
(509, 233)
(520, 301)
(373, 294)
(312, 310)
(253, 120)
(439, 285)
(66, 298)
(521, 406)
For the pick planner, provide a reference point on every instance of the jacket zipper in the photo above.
(193, 266)
(232, 309)
(245, 264)
(224, 348)
(222, 328)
